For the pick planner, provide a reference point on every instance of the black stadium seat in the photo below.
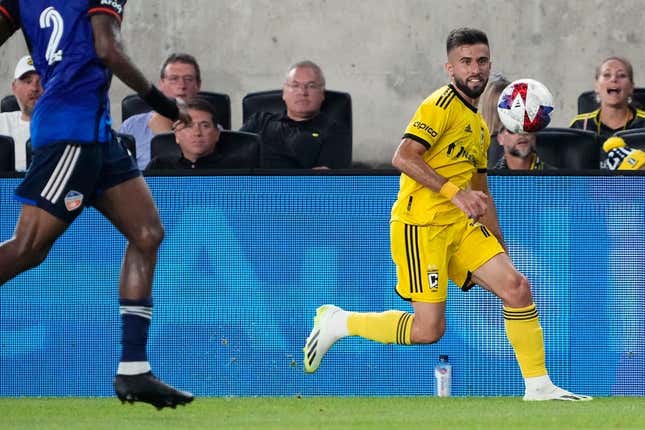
(133, 105)
(7, 161)
(164, 145)
(129, 142)
(337, 106)
(587, 101)
(634, 138)
(569, 148)
(9, 104)
(241, 150)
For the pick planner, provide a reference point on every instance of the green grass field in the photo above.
(406, 413)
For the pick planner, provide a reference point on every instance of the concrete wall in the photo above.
(388, 54)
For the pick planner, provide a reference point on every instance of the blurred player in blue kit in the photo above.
(77, 162)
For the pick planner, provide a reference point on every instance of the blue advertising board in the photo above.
(247, 260)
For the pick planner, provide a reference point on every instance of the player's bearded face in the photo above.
(469, 67)
(473, 86)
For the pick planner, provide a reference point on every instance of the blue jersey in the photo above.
(74, 106)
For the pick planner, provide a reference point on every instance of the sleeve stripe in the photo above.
(416, 139)
(445, 99)
(97, 10)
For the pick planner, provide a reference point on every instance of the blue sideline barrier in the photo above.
(247, 259)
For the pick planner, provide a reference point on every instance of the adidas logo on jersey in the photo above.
(468, 129)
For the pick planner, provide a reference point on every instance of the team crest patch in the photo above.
(73, 200)
(433, 279)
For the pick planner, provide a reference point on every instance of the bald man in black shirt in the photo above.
(302, 137)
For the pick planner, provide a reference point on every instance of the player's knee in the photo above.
(30, 255)
(517, 292)
(428, 334)
(148, 238)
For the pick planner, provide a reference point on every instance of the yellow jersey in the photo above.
(457, 140)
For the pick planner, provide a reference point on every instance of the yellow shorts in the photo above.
(427, 256)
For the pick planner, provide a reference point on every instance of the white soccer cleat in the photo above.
(553, 392)
(323, 335)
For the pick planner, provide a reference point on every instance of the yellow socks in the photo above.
(383, 327)
(525, 335)
(522, 329)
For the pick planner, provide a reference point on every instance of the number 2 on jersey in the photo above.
(50, 17)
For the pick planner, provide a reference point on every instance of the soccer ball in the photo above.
(525, 106)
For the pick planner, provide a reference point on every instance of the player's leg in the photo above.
(52, 194)
(521, 321)
(491, 268)
(424, 287)
(35, 233)
(332, 323)
(129, 206)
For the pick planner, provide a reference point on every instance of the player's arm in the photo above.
(5, 30)
(109, 48)
(408, 158)
(479, 182)
(7, 27)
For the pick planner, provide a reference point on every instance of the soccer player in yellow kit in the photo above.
(444, 226)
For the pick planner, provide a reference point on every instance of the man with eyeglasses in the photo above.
(519, 152)
(180, 78)
(301, 137)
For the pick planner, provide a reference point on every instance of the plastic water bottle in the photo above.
(443, 376)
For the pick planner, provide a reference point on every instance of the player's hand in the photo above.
(473, 203)
(184, 116)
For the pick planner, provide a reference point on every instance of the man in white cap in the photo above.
(26, 87)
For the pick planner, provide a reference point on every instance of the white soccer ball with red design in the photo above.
(525, 106)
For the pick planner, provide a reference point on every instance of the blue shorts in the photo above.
(65, 177)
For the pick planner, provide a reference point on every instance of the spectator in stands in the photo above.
(519, 152)
(614, 86)
(26, 87)
(622, 157)
(488, 102)
(180, 78)
(302, 137)
(196, 140)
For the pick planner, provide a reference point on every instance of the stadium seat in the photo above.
(241, 150)
(164, 145)
(129, 142)
(133, 104)
(7, 157)
(587, 101)
(569, 148)
(28, 151)
(9, 104)
(634, 138)
(337, 105)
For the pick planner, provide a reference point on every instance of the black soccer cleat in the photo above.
(147, 388)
